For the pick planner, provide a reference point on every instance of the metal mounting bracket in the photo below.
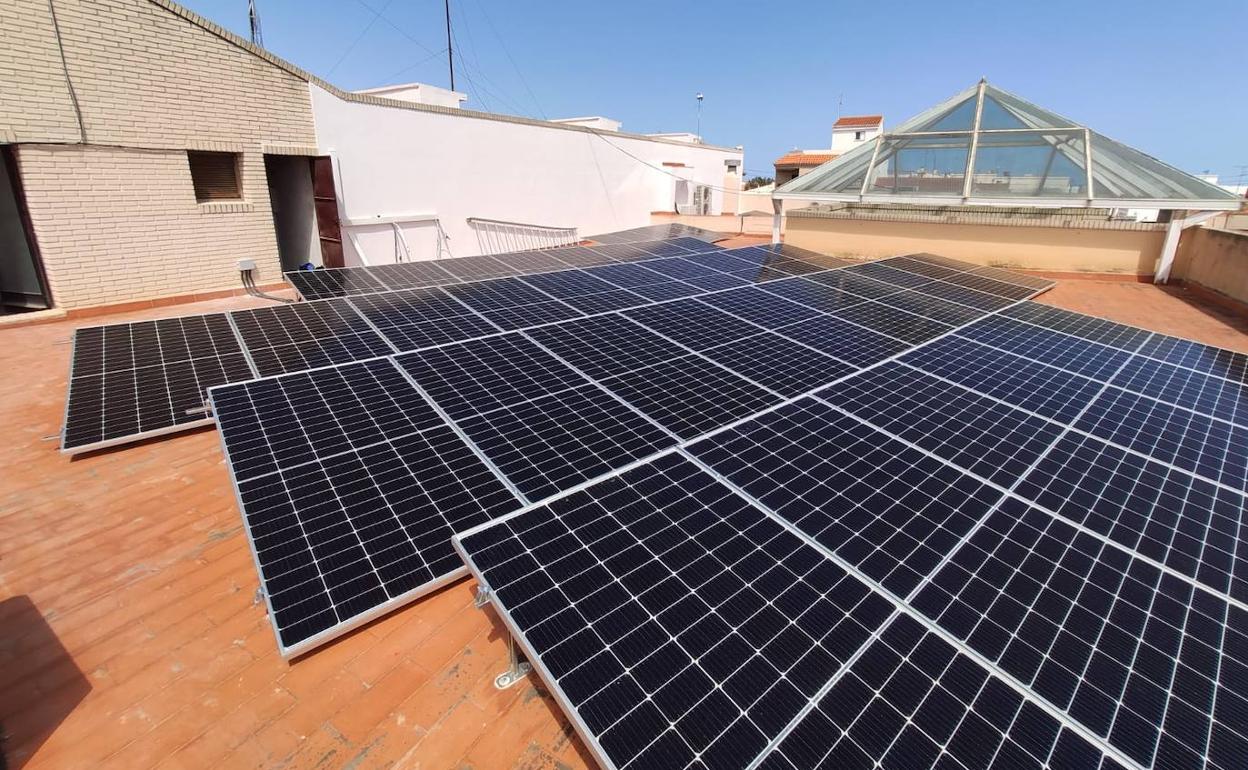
(517, 668)
(482, 598)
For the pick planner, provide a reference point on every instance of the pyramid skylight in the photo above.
(988, 147)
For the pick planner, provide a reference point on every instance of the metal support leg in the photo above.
(517, 668)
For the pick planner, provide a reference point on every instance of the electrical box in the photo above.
(246, 265)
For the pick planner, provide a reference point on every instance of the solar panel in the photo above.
(841, 339)
(690, 395)
(419, 318)
(337, 282)
(692, 323)
(1069, 353)
(779, 364)
(1207, 394)
(886, 319)
(1172, 434)
(555, 442)
(349, 516)
(128, 381)
(291, 338)
(657, 232)
(679, 625)
(819, 296)
(890, 510)
(1034, 386)
(760, 307)
(407, 275)
(481, 375)
(1086, 327)
(995, 441)
(931, 307)
(882, 272)
(1207, 359)
(911, 699)
(1131, 653)
(1188, 524)
(606, 345)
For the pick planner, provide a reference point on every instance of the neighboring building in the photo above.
(847, 133)
(852, 130)
(988, 177)
(145, 151)
(793, 164)
(419, 93)
(593, 121)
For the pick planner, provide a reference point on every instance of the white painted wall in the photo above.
(393, 162)
(844, 138)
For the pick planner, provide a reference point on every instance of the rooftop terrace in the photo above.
(133, 637)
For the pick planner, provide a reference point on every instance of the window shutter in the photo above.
(214, 175)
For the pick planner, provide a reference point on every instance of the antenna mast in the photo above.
(253, 15)
(450, 54)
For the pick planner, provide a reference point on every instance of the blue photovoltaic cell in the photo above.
(1192, 526)
(1090, 359)
(1142, 659)
(693, 324)
(684, 627)
(1079, 325)
(1207, 394)
(1194, 442)
(995, 441)
(1046, 390)
(759, 307)
(554, 442)
(913, 701)
(890, 510)
(1194, 355)
(346, 519)
(779, 364)
(606, 345)
(856, 345)
(690, 395)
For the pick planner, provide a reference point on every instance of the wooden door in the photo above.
(326, 200)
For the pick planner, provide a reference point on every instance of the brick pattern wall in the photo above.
(34, 99)
(116, 220)
(122, 224)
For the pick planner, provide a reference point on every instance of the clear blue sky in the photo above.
(1165, 77)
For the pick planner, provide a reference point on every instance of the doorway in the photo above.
(294, 210)
(23, 285)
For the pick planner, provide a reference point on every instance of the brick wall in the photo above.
(117, 220)
(122, 224)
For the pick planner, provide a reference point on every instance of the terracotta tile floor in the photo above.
(130, 636)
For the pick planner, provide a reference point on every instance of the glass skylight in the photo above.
(987, 146)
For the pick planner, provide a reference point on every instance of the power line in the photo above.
(503, 45)
(414, 65)
(660, 169)
(359, 37)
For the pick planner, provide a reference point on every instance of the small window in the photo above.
(214, 175)
(859, 136)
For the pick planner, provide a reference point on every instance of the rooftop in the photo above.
(858, 121)
(134, 628)
(804, 158)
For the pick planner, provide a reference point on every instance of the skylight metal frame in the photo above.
(1102, 173)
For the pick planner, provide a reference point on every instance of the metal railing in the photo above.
(496, 236)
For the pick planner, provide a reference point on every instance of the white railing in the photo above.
(496, 236)
(402, 250)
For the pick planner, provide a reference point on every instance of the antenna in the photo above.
(450, 54)
(698, 96)
(253, 16)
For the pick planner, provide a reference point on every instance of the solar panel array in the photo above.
(557, 404)
(132, 381)
(1043, 511)
(754, 508)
